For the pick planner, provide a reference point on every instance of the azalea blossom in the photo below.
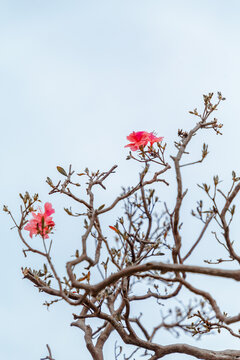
(141, 138)
(41, 223)
(152, 138)
(137, 139)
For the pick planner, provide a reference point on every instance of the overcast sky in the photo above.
(76, 78)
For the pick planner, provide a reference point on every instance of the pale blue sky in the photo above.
(76, 77)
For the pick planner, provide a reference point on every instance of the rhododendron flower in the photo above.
(152, 138)
(42, 223)
(141, 138)
(137, 139)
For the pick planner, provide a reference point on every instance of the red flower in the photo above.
(152, 138)
(42, 223)
(141, 138)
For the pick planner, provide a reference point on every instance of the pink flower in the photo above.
(141, 138)
(152, 138)
(42, 223)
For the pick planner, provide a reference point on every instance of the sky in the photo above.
(76, 77)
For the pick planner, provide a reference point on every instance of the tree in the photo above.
(127, 268)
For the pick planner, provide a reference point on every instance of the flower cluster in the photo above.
(42, 223)
(141, 138)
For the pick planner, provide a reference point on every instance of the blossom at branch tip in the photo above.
(137, 139)
(41, 223)
(141, 138)
(152, 138)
